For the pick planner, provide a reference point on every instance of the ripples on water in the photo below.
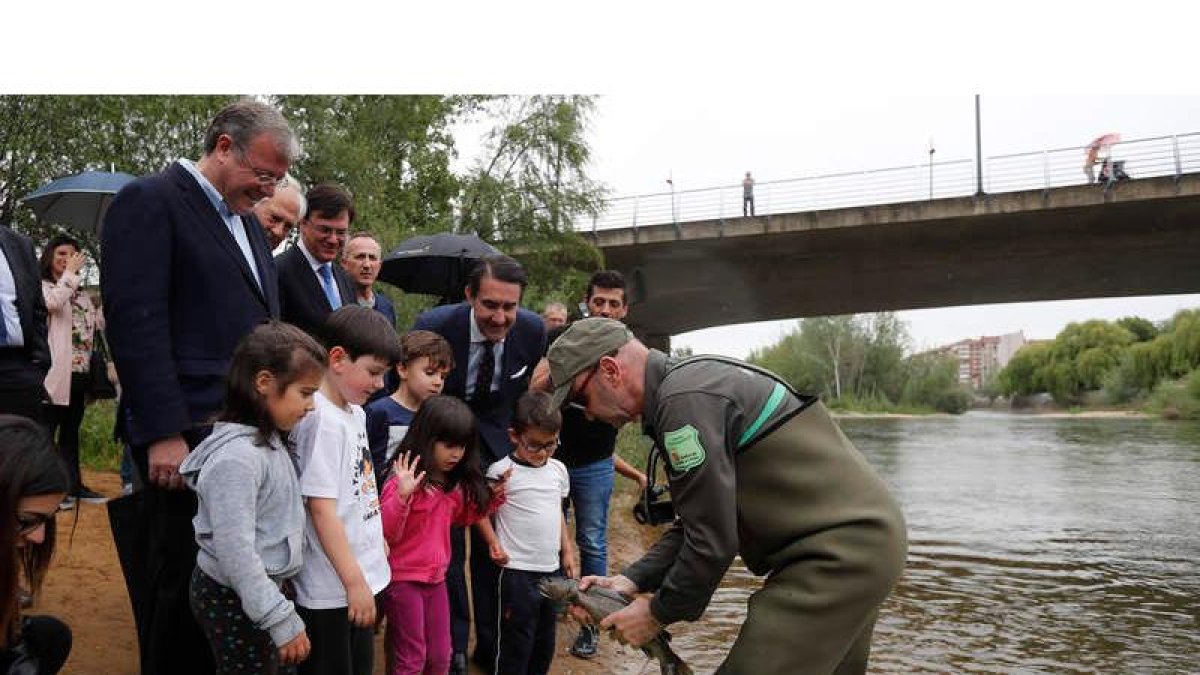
(1037, 545)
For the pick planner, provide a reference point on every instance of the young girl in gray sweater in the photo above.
(250, 521)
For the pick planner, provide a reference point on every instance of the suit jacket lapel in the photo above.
(212, 223)
(462, 347)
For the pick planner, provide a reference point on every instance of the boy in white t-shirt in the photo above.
(345, 558)
(529, 540)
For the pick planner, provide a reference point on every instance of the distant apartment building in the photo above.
(981, 358)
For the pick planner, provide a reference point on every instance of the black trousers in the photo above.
(62, 423)
(338, 646)
(170, 641)
(24, 401)
(526, 641)
(483, 594)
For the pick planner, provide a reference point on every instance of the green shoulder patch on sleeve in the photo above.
(684, 451)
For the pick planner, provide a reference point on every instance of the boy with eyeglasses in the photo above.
(529, 540)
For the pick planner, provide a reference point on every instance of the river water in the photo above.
(1037, 545)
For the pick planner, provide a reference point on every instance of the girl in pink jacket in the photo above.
(435, 483)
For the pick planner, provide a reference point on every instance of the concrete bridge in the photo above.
(1064, 241)
(1140, 238)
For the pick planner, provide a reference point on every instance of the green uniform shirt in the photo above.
(701, 413)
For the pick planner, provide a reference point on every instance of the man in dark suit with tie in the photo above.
(311, 283)
(185, 275)
(496, 346)
(24, 351)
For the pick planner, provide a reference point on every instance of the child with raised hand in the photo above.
(345, 559)
(425, 360)
(250, 519)
(435, 483)
(530, 539)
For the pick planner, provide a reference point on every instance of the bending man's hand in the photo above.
(619, 583)
(164, 457)
(634, 625)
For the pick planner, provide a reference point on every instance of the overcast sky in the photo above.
(701, 140)
(696, 91)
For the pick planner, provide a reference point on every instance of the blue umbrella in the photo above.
(78, 201)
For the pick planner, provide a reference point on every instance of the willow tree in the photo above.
(531, 184)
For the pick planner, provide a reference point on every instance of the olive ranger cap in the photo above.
(579, 348)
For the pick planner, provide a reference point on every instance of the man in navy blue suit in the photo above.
(24, 351)
(496, 346)
(311, 283)
(185, 274)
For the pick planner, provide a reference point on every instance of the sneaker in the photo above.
(458, 664)
(587, 643)
(126, 489)
(67, 504)
(85, 493)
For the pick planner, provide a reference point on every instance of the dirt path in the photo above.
(85, 588)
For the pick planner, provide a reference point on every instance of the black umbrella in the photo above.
(78, 201)
(434, 264)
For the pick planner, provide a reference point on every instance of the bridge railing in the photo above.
(1144, 158)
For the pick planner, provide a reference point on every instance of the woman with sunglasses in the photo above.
(33, 482)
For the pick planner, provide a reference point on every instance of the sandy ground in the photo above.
(85, 588)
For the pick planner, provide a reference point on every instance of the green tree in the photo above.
(529, 187)
(933, 382)
(1143, 330)
(392, 152)
(46, 137)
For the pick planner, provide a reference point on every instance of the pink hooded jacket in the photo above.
(417, 529)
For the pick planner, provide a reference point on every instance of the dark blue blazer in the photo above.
(178, 296)
(30, 368)
(302, 300)
(523, 347)
(384, 306)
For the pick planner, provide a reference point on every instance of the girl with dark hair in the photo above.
(435, 483)
(71, 332)
(250, 518)
(32, 483)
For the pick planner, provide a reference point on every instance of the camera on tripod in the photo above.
(654, 508)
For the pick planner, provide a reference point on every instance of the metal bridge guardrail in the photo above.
(1144, 158)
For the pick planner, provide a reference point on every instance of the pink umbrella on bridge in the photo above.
(1095, 147)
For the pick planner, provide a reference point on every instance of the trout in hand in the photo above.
(600, 602)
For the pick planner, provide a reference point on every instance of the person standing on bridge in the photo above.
(748, 195)
(755, 469)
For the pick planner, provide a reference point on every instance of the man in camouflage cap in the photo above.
(755, 469)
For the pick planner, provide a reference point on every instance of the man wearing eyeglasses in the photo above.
(311, 283)
(185, 274)
(756, 469)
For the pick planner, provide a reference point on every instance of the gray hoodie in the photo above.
(250, 522)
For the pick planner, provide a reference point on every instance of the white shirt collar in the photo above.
(316, 265)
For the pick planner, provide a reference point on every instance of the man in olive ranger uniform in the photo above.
(755, 469)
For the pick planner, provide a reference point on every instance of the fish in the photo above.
(600, 602)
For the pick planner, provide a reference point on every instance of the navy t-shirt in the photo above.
(387, 423)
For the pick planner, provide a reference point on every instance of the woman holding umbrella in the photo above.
(72, 332)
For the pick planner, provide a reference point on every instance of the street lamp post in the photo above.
(978, 153)
(931, 151)
(674, 212)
